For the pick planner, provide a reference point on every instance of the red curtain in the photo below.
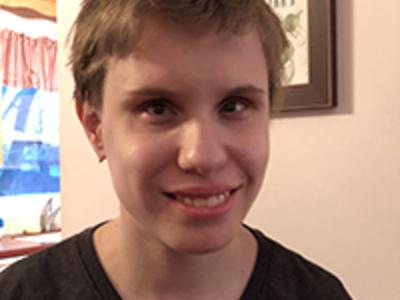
(27, 62)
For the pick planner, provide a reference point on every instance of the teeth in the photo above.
(199, 203)
(212, 201)
(188, 201)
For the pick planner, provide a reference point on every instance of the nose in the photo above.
(202, 149)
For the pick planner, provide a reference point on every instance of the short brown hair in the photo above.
(105, 28)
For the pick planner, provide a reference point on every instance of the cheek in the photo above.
(138, 159)
(254, 156)
(136, 168)
(258, 156)
(254, 142)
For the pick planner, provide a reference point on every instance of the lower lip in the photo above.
(206, 212)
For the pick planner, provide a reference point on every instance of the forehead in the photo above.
(190, 56)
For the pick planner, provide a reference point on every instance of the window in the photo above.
(29, 114)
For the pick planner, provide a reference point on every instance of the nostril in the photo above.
(201, 148)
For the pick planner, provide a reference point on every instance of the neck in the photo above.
(151, 270)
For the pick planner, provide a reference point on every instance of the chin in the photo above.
(201, 243)
(200, 249)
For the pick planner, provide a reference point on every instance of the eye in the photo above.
(234, 105)
(157, 110)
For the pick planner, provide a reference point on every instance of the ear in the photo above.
(90, 118)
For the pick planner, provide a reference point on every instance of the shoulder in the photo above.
(47, 274)
(290, 274)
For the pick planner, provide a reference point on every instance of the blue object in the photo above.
(1, 227)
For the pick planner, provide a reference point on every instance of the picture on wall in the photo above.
(309, 75)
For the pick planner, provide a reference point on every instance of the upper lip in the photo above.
(202, 190)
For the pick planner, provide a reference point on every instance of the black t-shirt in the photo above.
(72, 270)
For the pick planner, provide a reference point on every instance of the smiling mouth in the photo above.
(201, 201)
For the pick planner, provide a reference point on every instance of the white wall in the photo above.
(333, 183)
(86, 191)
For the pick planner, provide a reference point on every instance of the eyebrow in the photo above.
(152, 92)
(247, 89)
(165, 92)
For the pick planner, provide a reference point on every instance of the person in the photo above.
(176, 96)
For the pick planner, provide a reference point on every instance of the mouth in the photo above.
(202, 201)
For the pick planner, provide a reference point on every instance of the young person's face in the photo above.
(184, 127)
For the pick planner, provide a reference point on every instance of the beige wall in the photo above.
(333, 183)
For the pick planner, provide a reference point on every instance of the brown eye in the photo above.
(234, 105)
(157, 109)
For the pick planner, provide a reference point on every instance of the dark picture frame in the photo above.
(320, 92)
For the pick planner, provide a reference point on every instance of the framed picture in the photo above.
(309, 79)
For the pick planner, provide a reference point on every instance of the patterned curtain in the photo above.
(29, 135)
(27, 62)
